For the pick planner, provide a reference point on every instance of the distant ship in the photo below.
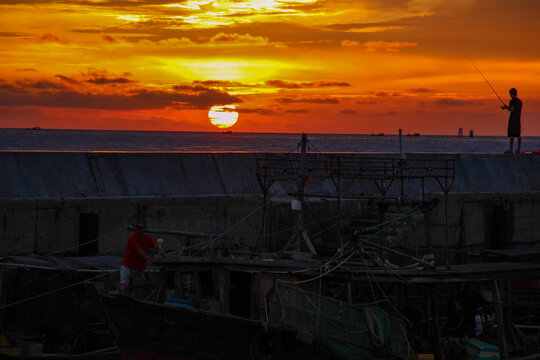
(377, 134)
(414, 134)
(460, 131)
(227, 132)
(471, 133)
(34, 128)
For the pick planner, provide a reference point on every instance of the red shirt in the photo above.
(133, 259)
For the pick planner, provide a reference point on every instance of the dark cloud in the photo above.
(311, 101)
(333, 83)
(384, 94)
(135, 100)
(421, 90)
(48, 37)
(348, 112)
(104, 3)
(40, 85)
(357, 26)
(366, 102)
(388, 113)
(12, 34)
(453, 102)
(260, 111)
(282, 84)
(66, 79)
(7, 87)
(108, 38)
(189, 87)
(296, 111)
(286, 84)
(25, 70)
(102, 80)
(221, 83)
(385, 4)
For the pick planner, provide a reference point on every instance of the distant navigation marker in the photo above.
(460, 131)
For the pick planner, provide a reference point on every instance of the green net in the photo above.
(350, 331)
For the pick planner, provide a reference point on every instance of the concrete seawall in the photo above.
(56, 200)
(100, 175)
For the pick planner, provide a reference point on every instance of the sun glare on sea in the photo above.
(223, 116)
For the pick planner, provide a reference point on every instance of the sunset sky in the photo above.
(314, 66)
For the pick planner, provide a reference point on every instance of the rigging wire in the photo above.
(220, 236)
(53, 291)
(86, 243)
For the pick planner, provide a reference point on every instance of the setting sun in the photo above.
(223, 116)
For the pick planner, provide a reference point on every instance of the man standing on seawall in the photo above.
(514, 121)
(134, 262)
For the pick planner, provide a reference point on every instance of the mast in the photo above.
(299, 235)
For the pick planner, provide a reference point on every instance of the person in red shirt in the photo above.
(134, 262)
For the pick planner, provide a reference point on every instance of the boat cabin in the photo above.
(231, 286)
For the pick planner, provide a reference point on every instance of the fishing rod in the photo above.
(502, 102)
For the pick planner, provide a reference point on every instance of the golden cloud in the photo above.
(238, 39)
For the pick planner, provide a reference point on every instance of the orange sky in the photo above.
(314, 66)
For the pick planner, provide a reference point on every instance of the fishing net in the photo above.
(350, 331)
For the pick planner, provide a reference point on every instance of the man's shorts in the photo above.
(129, 276)
(514, 128)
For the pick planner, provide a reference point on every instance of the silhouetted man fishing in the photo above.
(514, 121)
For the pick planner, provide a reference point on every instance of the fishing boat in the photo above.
(226, 308)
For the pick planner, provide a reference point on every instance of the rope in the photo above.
(320, 276)
(52, 291)
(85, 243)
(204, 243)
(376, 333)
(389, 222)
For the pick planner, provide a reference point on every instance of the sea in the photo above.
(173, 141)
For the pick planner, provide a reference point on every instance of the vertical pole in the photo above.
(446, 229)
(436, 326)
(400, 166)
(301, 179)
(349, 292)
(501, 334)
(400, 147)
(427, 229)
(2, 299)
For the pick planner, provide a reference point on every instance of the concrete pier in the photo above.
(54, 200)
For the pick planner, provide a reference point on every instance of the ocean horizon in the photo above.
(12, 139)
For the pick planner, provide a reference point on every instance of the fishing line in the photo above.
(476, 67)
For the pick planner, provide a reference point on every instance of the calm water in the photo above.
(105, 140)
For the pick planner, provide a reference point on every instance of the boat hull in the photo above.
(146, 330)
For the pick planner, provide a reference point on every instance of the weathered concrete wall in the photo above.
(45, 226)
(479, 221)
(81, 175)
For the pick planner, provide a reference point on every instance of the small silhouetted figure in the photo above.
(514, 121)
